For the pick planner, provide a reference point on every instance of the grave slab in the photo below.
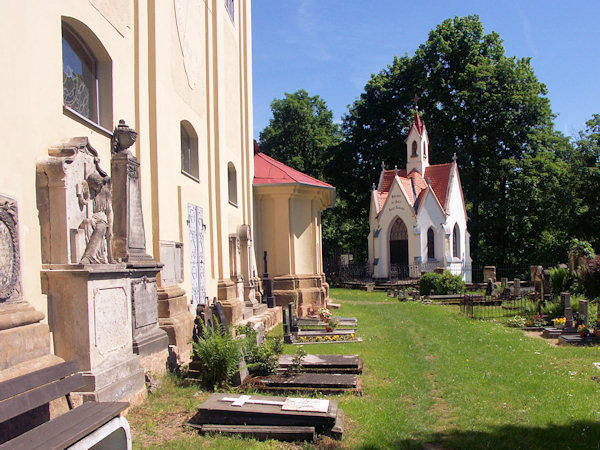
(555, 333)
(329, 383)
(575, 339)
(260, 410)
(325, 363)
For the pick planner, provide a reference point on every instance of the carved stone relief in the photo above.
(10, 266)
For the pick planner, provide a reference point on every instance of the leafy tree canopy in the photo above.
(476, 102)
(301, 133)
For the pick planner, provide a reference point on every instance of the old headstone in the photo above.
(583, 312)
(517, 288)
(504, 282)
(219, 313)
(88, 290)
(490, 288)
(268, 285)
(489, 272)
(565, 299)
(129, 244)
(569, 317)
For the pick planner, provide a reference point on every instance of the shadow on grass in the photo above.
(575, 435)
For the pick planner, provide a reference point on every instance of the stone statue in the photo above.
(98, 229)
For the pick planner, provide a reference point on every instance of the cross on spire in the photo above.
(415, 101)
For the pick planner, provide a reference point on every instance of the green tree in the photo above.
(585, 179)
(476, 102)
(301, 133)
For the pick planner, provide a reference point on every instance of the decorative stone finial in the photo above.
(415, 101)
(454, 158)
(396, 170)
(382, 165)
(374, 187)
(123, 137)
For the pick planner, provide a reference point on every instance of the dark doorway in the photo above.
(399, 250)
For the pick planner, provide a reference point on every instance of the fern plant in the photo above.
(218, 353)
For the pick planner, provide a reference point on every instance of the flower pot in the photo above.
(328, 329)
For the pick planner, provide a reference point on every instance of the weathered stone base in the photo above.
(270, 318)
(307, 291)
(156, 363)
(232, 305)
(120, 380)
(175, 318)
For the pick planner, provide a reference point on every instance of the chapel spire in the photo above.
(417, 144)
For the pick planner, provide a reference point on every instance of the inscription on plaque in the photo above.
(110, 314)
(137, 239)
(305, 405)
(145, 306)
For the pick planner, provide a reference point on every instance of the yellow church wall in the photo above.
(151, 92)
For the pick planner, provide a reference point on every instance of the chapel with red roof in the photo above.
(418, 219)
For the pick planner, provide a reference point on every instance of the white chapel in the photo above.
(418, 220)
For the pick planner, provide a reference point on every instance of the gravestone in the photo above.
(24, 340)
(129, 243)
(583, 312)
(517, 288)
(568, 317)
(324, 363)
(489, 272)
(565, 299)
(259, 410)
(504, 282)
(90, 311)
(324, 383)
(219, 313)
(268, 285)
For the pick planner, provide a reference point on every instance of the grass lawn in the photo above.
(431, 378)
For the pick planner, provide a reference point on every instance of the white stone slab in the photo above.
(305, 405)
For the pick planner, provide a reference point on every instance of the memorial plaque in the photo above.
(305, 404)
(137, 237)
(145, 306)
(110, 311)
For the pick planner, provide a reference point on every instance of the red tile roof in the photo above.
(438, 176)
(270, 171)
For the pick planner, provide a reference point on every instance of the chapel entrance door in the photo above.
(399, 250)
(198, 280)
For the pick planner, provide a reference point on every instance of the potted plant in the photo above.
(560, 322)
(583, 330)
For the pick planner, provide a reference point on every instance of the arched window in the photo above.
(189, 150)
(414, 148)
(456, 241)
(87, 75)
(430, 244)
(232, 183)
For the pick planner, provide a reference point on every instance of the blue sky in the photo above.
(331, 47)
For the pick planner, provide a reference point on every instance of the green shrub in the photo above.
(441, 284)
(559, 280)
(218, 353)
(428, 283)
(449, 284)
(553, 310)
(261, 359)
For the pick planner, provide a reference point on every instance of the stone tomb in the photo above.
(569, 329)
(324, 363)
(325, 383)
(273, 415)
(89, 293)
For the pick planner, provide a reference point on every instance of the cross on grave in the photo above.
(290, 404)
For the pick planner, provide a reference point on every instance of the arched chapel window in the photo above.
(456, 241)
(232, 183)
(430, 244)
(189, 150)
(87, 74)
(414, 148)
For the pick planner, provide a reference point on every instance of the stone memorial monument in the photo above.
(25, 341)
(89, 294)
(129, 244)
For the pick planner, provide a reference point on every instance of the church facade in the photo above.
(418, 219)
